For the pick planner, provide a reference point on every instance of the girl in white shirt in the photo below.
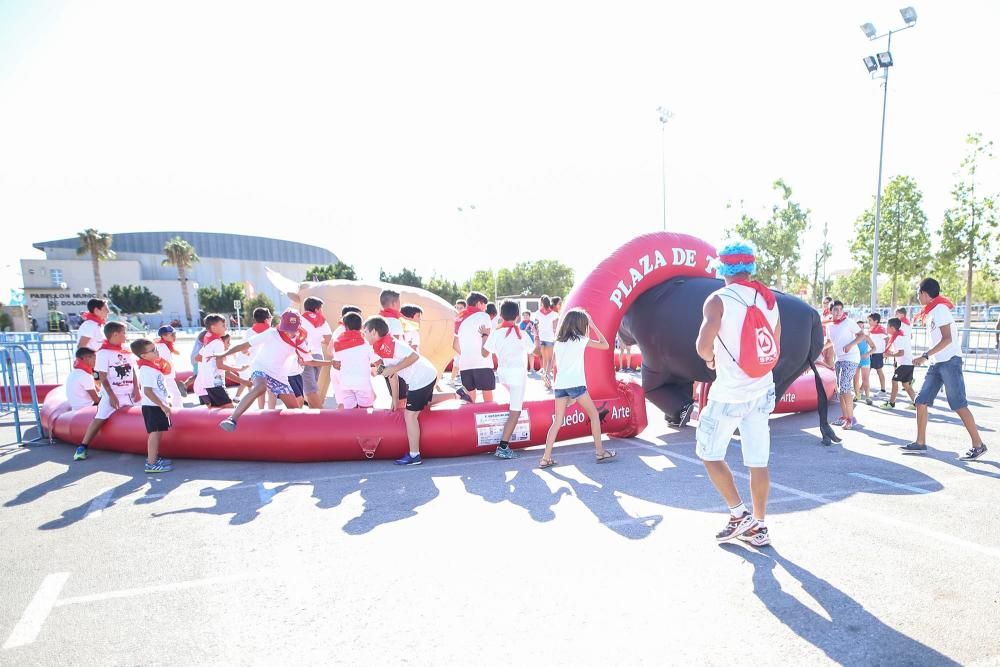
(571, 382)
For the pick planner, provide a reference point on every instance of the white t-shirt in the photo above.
(166, 354)
(273, 356)
(411, 333)
(395, 326)
(903, 344)
(732, 384)
(152, 378)
(842, 335)
(880, 339)
(356, 367)
(120, 367)
(209, 373)
(77, 385)
(512, 354)
(547, 326)
(419, 374)
(315, 335)
(470, 342)
(92, 331)
(569, 360)
(939, 317)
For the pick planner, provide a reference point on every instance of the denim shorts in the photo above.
(718, 422)
(947, 374)
(572, 392)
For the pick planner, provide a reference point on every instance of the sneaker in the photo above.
(685, 416)
(868, 400)
(910, 406)
(737, 526)
(166, 462)
(756, 536)
(464, 395)
(228, 424)
(409, 460)
(505, 453)
(887, 406)
(81, 453)
(974, 453)
(157, 467)
(914, 448)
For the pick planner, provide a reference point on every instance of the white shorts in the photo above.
(719, 421)
(104, 409)
(516, 396)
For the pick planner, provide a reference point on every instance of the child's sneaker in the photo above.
(464, 395)
(228, 424)
(157, 467)
(887, 405)
(166, 462)
(81, 453)
(737, 526)
(974, 453)
(409, 460)
(505, 453)
(756, 536)
(910, 406)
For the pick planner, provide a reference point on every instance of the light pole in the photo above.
(882, 61)
(665, 116)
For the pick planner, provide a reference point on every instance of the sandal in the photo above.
(546, 463)
(608, 456)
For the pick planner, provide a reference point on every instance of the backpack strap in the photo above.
(735, 297)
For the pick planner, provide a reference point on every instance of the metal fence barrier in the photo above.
(16, 369)
(51, 355)
(979, 348)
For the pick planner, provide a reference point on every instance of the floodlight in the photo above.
(870, 63)
(884, 59)
(909, 15)
(869, 30)
(665, 114)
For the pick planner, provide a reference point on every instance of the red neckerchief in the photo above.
(934, 303)
(347, 340)
(390, 313)
(89, 370)
(462, 316)
(761, 289)
(315, 318)
(90, 317)
(826, 312)
(300, 337)
(905, 321)
(892, 339)
(114, 348)
(169, 344)
(843, 316)
(260, 327)
(385, 347)
(544, 311)
(210, 338)
(877, 329)
(160, 364)
(511, 326)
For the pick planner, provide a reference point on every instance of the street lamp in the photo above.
(882, 61)
(665, 116)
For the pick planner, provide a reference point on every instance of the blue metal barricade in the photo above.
(17, 371)
(979, 348)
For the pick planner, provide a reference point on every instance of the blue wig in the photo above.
(737, 247)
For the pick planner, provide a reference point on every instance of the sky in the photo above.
(364, 127)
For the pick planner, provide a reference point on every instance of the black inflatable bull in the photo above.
(664, 322)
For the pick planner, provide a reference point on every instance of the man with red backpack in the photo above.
(739, 339)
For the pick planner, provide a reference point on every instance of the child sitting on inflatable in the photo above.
(274, 349)
(81, 390)
(355, 355)
(512, 347)
(115, 367)
(166, 350)
(400, 362)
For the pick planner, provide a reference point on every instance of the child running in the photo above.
(900, 348)
(861, 380)
(165, 348)
(844, 336)
(115, 368)
(878, 336)
(81, 390)
(571, 384)
(355, 356)
(512, 348)
(272, 351)
(154, 375)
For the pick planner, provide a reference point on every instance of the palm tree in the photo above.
(181, 254)
(98, 246)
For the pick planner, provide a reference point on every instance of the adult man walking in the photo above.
(739, 338)
(945, 355)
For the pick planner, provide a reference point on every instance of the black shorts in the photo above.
(417, 399)
(215, 397)
(295, 382)
(155, 418)
(903, 374)
(878, 360)
(403, 387)
(479, 378)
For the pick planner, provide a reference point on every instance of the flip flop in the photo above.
(547, 463)
(609, 456)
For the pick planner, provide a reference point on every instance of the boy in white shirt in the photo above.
(900, 348)
(512, 347)
(153, 378)
(318, 337)
(460, 306)
(389, 300)
(411, 325)
(81, 390)
(166, 351)
(845, 334)
(547, 320)
(945, 370)
(210, 383)
(400, 362)
(879, 336)
(115, 367)
(91, 331)
(472, 327)
(355, 356)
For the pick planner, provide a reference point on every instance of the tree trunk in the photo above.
(98, 287)
(895, 281)
(968, 288)
(182, 276)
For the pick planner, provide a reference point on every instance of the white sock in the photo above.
(760, 523)
(739, 510)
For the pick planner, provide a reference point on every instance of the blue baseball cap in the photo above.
(164, 330)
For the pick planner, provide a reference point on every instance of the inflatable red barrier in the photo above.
(536, 362)
(340, 435)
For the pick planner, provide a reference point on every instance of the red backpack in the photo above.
(759, 349)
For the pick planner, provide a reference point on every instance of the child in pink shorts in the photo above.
(356, 356)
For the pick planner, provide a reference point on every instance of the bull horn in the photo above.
(283, 284)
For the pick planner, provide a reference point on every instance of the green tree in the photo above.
(971, 223)
(820, 259)
(446, 289)
(946, 271)
(904, 242)
(220, 299)
(536, 278)
(852, 288)
(98, 246)
(134, 299)
(778, 239)
(338, 271)
(181, 255)
(258, 301)
(405, 277)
